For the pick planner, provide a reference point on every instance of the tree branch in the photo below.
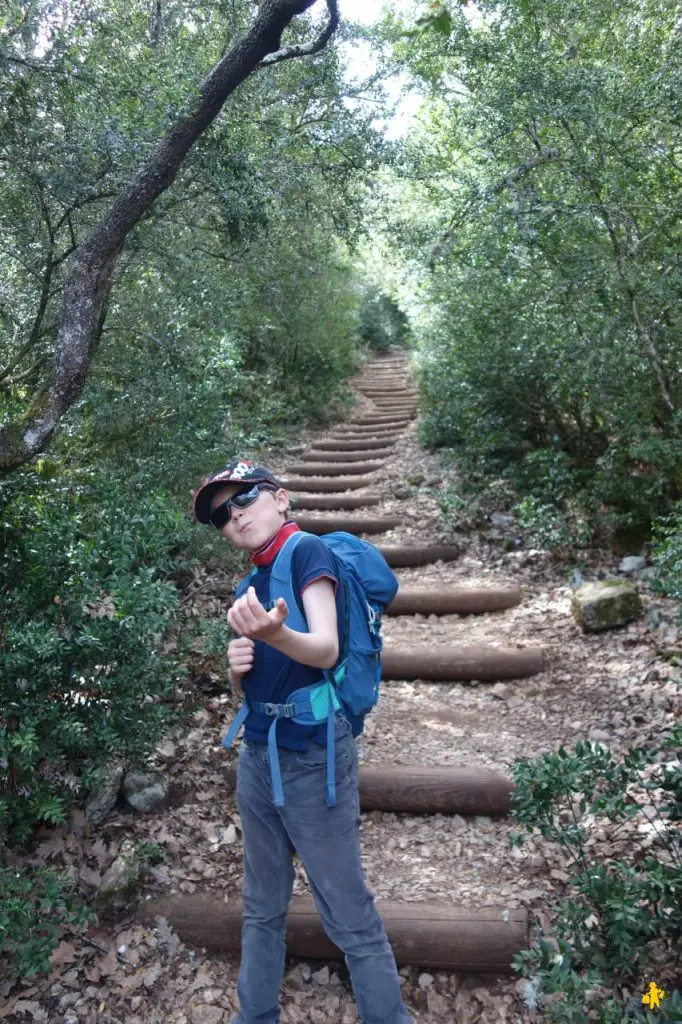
(90, 275)
(36, 330)
(305, 49)
(547, 156)
(33, 368)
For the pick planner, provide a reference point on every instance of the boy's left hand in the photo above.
(248, 617)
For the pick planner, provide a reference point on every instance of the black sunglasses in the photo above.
(242, 499)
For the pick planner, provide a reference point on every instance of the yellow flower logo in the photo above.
(652, 998)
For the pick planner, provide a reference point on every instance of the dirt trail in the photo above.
(615, 683)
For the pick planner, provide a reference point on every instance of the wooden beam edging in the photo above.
(463, 664)
(313, 455)
(326, 484)
(405, 555)
(434, 935)
(333, 468)
(454, 601)
(427, 789)
(384, 423)
(396, 408)
(378, 437)
(335, 502)
(368, 446)
(320, 525)
(382, 419)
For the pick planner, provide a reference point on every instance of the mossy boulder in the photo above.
(121, 878)
(605, 605)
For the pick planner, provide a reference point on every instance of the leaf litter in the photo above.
(616, 686)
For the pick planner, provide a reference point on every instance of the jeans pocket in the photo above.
(316, 755)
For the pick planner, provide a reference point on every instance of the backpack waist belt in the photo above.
(307, 706)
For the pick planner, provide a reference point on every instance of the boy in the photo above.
(267, 663)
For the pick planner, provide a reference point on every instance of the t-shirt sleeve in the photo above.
(312, 560)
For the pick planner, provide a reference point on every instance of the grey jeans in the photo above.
(328, 842)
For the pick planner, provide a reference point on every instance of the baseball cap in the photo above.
(242, 472)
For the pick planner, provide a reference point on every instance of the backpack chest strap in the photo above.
(308, 706)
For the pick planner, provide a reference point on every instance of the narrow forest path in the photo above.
(613, 688)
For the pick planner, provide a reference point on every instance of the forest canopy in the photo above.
(538, 204)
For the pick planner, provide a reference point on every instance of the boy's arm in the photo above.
(318, 648)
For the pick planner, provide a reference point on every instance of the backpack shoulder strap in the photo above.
(244, 584)
(281, 584)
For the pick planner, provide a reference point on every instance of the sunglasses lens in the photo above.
(223, 513)
(246, 498)
(220, 515)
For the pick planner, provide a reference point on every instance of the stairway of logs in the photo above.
(335, 478)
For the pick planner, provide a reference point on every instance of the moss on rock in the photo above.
(605, 605)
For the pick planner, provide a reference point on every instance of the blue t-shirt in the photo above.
(274, 676)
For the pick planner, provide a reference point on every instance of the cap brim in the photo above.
(204, 496)
(202, 499)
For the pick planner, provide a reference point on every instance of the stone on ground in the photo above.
(605, 605)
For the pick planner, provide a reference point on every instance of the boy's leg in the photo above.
(327, 840)
(268, 880)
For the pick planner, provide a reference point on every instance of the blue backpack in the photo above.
(352, 686)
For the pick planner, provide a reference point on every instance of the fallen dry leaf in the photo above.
(65, 953)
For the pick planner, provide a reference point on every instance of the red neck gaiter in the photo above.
(265, 554)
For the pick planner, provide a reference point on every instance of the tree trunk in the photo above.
(90, 274)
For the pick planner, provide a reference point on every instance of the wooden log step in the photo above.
(392, 390)
(394, 403)
(351, 524)
(451, 664)
(378, 418)
(433, 789)
(349, 432)
(384, 409)
(366, 445)
(368, 431)
(333, 468)
(396, 407)
(400, 414)
(387, 392)
(427, 789)
(334, 502)
(380, 421)
(390, 396)
(408, 414)
(350, 456)
(405, 556)
(379, 424)
(432, 935)
(456, 601)
(384, 438)
(326, 484)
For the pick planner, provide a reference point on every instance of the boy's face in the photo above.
(249, 528)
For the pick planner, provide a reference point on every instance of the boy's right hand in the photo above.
(240, 656)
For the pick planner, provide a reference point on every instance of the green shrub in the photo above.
(621, 922)
(36, 906)
(667, 552)
(382, 322)
(553, 527)
(86, 602)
